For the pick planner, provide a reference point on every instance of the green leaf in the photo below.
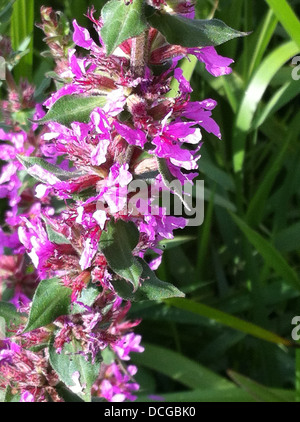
(51, 300)
(257, 204)
(72, 108)
(209, 395)
(256, 390)
(179, 30)
(228, 320)
(29, 162)
(272, 257)
(10, 316)
(10, 397)
(151, 287)
(70, 361)
(66, 394)
(287, 240)
(87, 297)
(287, 18)
(117, 243)
(253, 95)
(121, 21)
(55, 237)
(262, 40)
(179, 368)
(21, 30)
(5, 14)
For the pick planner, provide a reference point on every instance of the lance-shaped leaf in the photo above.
(179, 30)
(67, 394)
(10, 315)
(152, 288)
(72, 108)
(117, 243)
(54, 236)
(121, 21)
(77, 373)
(10, 397)
(35, 162)
(50, 301)
(87, 297)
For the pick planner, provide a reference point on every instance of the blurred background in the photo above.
(230, 338)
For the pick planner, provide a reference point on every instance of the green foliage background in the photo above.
(230, 338)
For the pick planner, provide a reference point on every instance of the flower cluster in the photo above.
(68, 187)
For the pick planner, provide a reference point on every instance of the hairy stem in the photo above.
(139, 53)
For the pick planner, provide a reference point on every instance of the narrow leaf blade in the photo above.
(121, 21)
(72, 108)
(51, 300)
(179, 30)
(152, 288)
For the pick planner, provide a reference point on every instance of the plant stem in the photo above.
(139, 53)
(138, 59)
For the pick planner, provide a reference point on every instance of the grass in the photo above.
(230, 339)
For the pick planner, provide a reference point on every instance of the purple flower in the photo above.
(184, 85)
(117, 386)
(35, 239)
(170, 138)
(127, 344)
(6, 357)
(26, 396)
(132, 136)
(82, 38)
(214, 63)
(200, 113)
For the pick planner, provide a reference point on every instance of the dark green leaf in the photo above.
(10, 315)
(10, 397)
(179, 30)
(117, 243)
(29, 162)
(5, 14)
(51, 300)
(272, 257)
(70, 361)
(228, 320)
(256, 390)
(180, 368)
(151, 287)
(87, 298)
(72, 108)
(21, 32)
(67, 394)
(55, 237)
(121, 21)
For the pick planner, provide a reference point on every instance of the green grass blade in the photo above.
(253, 95)
(272, 257)
(179, 368)
(287, 18)
(258, 391)
(265, 35)
(232, 394)
(203, 242)
(22, 25)
(283, 96)
(287, 240)
(257, 204)
(228, 320)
